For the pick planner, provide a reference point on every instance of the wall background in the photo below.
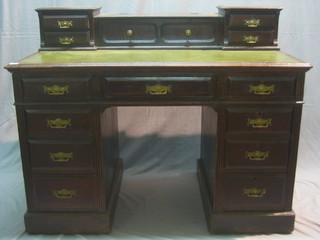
(161, 142)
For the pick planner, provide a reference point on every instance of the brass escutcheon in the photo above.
(257, 155)
(261, 89)
(255, 192)
(56, 90)
(259, 122)
(61, 156)
(59, 123)
(252, 23)
(251, 39)
(64, 193)
(66, 40)
(65, 24)
(158, 89)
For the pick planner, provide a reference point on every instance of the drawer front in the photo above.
(122, 32)
(67, 39)
(65, 22)
(259, 120)
(154, 87)
(198, 32)
(261, 87)
(58, 121)
(69, 155)
(251, 38)
(66, 194)
(256, 155)
(253, 192)
(53, 89)
(252, 21)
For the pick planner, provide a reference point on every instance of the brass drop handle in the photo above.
(65, 24)
(252, 23)
(64, 193)
(66, 40)
(261, 89)
(158, 89)
(257, 155)
(188, 32)
(251, 39)
(59, 123)
(254, 192)
(61, 156)
(56, 90)
(259, 122)
(130, 33)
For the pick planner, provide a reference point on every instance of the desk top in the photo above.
(158, 58)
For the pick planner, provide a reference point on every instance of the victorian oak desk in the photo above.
(67, 95)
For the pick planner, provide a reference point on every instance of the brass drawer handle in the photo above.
(261, 89)
(251, 39)
(259, 122)
(56, 90)
(130, 33)
(158, 89)
(65, 24)
(252, 23)
(64, 193)
(257, 155)
(188, 32)
(61, 156)
(66, 40)
(59, 123)
(255, 192)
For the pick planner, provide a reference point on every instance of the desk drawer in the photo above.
(249, 192)
(65, 22)
(63, 155)
(260, 120)
(55, 89)
(67, 194)
(257, 154)
(58, 121)
(253, 38)
(252, 21)
(67, 39)
(157, 87)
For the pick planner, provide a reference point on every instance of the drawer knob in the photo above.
(56, 90)
(261, 89)
(64, 193)
(158, 89)
(65, 24)
(257, 155)
(255, 192)
(188, 32)
(61, 156)
(252, 23)
(59, 123)
(130, 33)
(251, 39)
(259, 122)
(66, 40)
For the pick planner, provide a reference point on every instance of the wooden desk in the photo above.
(66, 103)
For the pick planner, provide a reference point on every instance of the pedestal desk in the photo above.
(67, 96)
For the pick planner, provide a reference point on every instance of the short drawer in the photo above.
(198, 32)
(58, 121)
(124, 32)
(257, 155)
(65, 22)
(157, 87)
(252, 21)
(67, 39)
(63, 155)
(249, 192)
(53, 89)
(251, 38)
(260, 120)
(261, 87)
(66, 194)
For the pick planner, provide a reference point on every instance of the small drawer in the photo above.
(58, 121)
(251, 38)
(241, 86)
(252, 21)
(68, 194)
(67, 39)
(53, 89)
(63, 155)
(123, 32)
(260, 120)
(257, 155)
(199, 32)
(158, 87)
(65, 22)
(249, 192)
